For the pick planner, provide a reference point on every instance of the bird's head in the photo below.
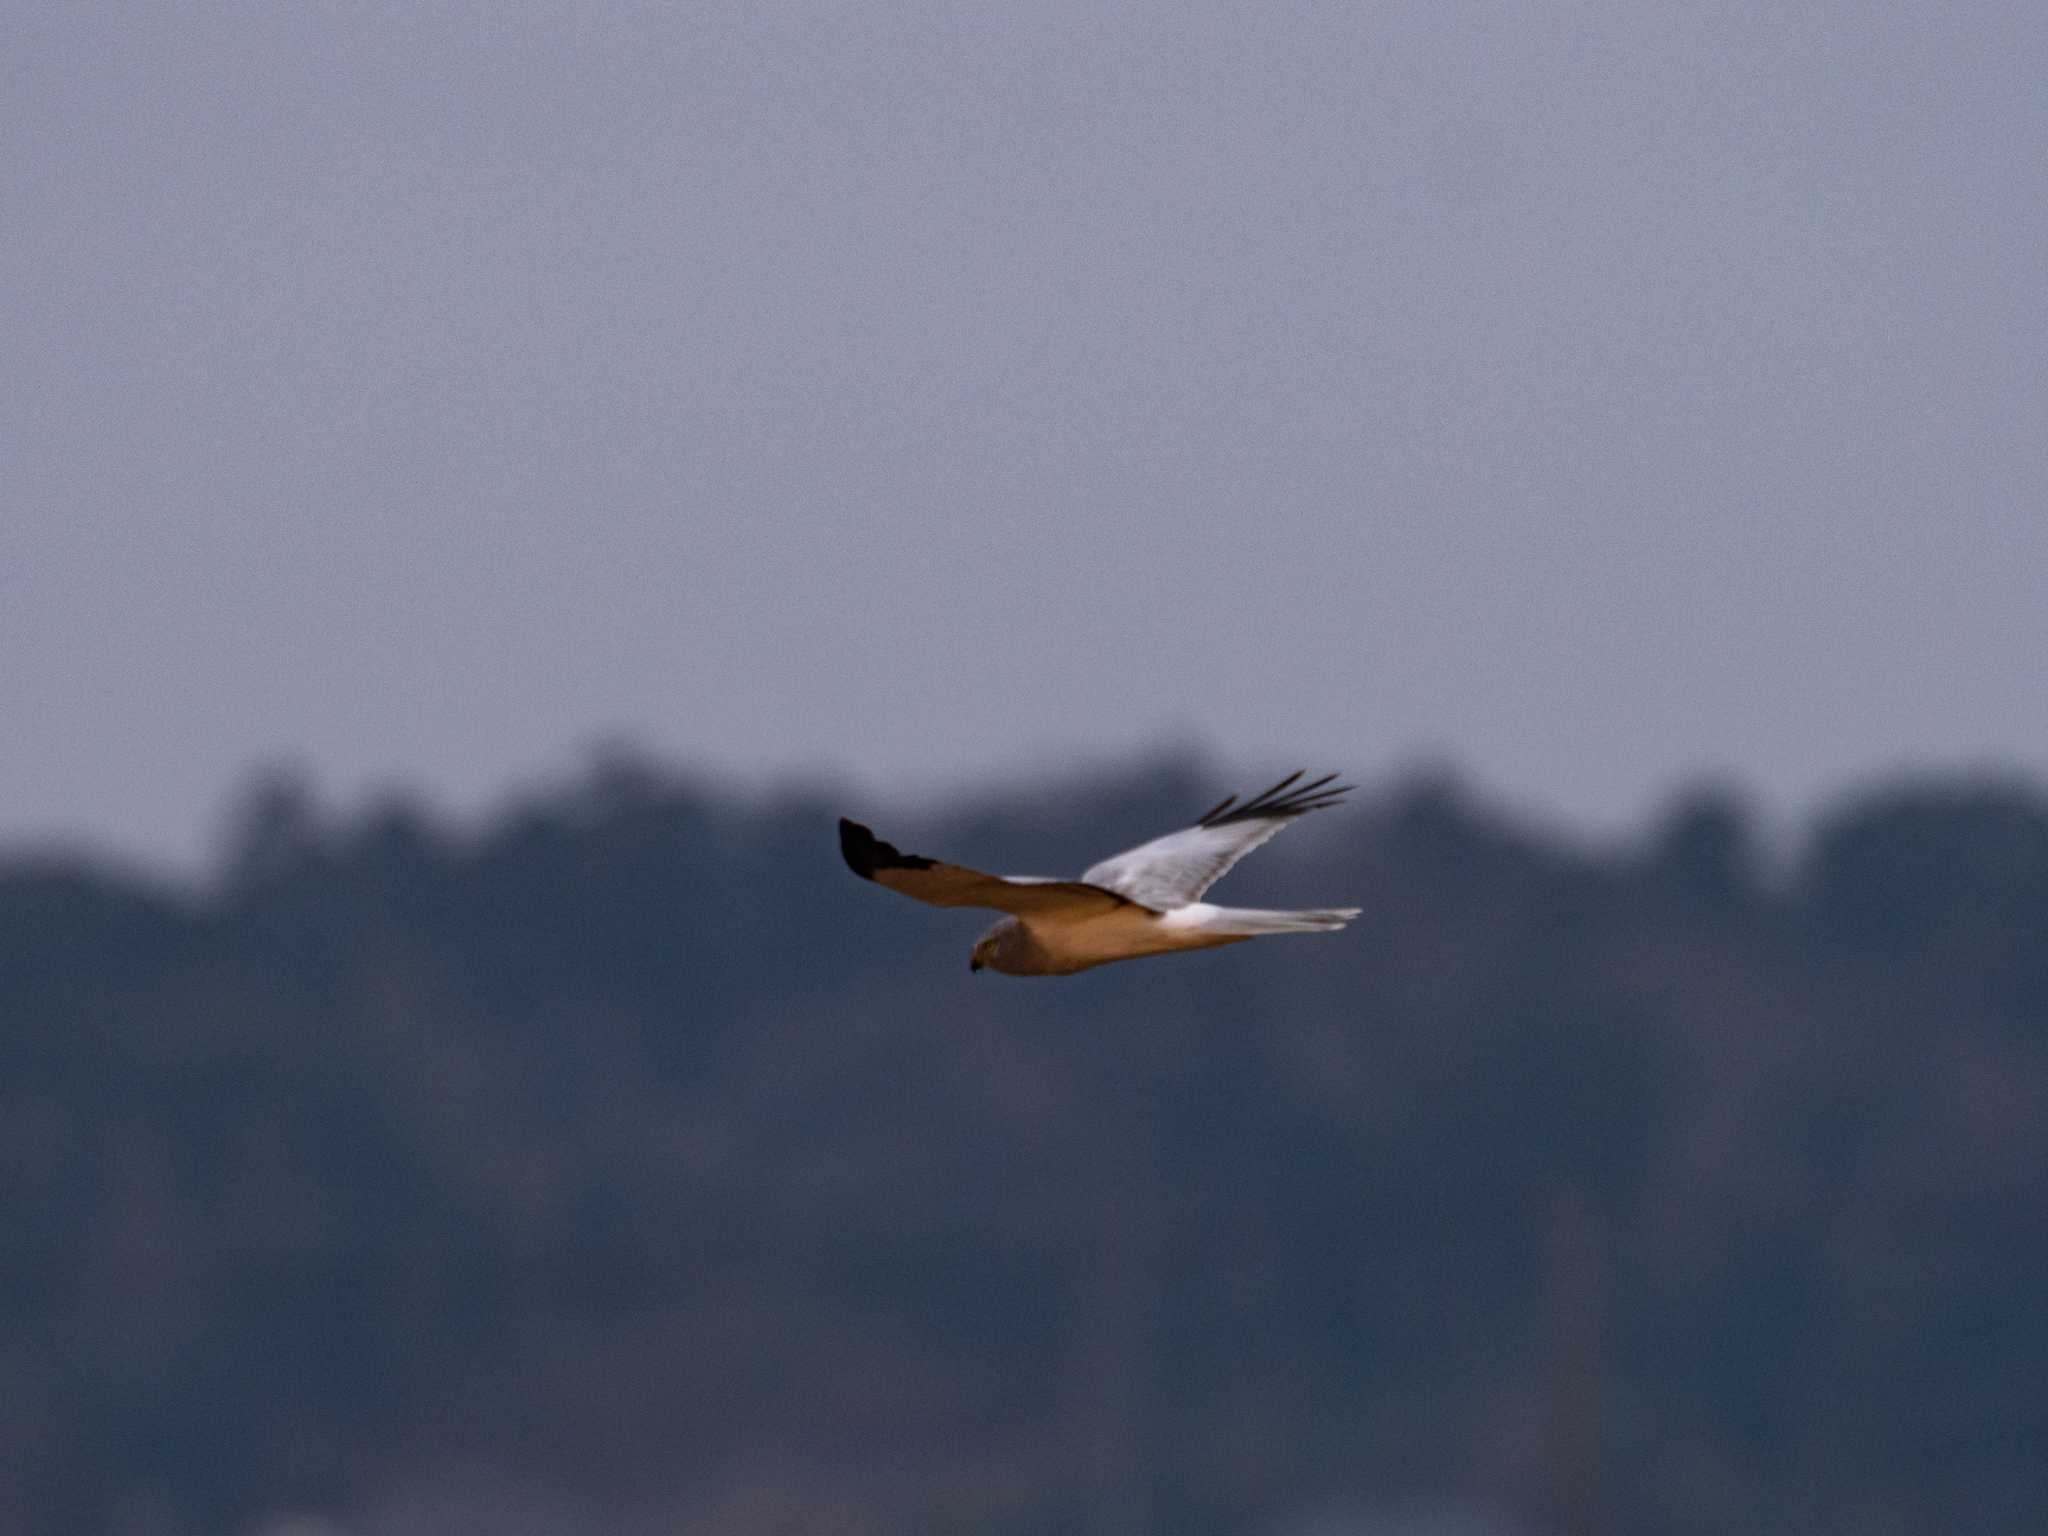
(1004, 948)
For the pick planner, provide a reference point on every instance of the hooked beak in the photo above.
(974, 963)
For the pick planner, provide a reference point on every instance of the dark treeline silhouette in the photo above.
(627, 1165)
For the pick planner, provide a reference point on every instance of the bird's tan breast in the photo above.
(1128, 932)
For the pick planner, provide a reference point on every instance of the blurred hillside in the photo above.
(629, 1166)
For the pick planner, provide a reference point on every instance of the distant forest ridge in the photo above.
(281, 810)
(625, 1164)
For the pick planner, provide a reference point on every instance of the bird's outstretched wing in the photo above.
(955, 885)
(1173, 870)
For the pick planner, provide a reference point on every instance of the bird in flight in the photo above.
(1144, 901)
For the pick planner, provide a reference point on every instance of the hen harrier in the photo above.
(1145, 901)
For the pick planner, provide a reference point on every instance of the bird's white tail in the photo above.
(1254, 920)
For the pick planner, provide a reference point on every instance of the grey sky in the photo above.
(1589, 394)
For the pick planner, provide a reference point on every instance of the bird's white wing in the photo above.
(955, 885)
(1173, 870)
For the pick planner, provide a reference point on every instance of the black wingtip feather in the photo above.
(865, 853)
(1285, 799)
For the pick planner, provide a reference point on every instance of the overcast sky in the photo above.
(1590, 395)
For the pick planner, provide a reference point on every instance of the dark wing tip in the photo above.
(866, 853)
(858, 846)
(1283, 800)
